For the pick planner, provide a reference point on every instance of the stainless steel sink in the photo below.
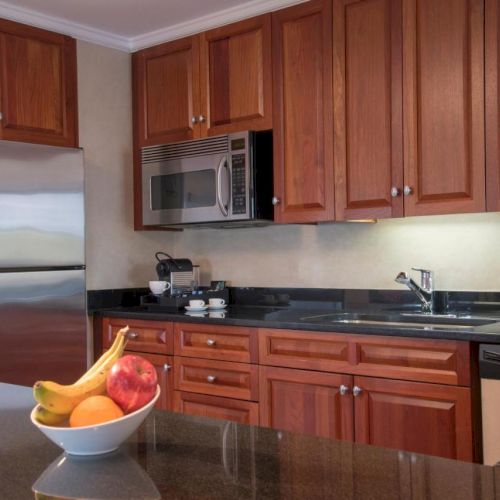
(431, 321)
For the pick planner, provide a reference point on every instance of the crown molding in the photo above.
(100, 37)
(214, 20)
(76, 30)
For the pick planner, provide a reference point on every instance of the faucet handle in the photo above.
(425, 278)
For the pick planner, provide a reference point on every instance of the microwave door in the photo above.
(184, 190)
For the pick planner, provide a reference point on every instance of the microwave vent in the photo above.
(187, 149)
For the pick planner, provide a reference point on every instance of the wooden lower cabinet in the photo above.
(306, 401)
(242, 412)
(165, 370)
(418, 417)
(409, 394)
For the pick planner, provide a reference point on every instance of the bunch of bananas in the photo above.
(57, 401)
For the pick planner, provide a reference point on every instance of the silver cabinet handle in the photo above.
(210, 342)
(211, 378)
(132, 335)
(201, 119)
(395, 192)
(407, 190)
(275, 201)
(222, 206)
(1, 116)
(356, 391)
(194, 120)
(343, 389)
(166, 367)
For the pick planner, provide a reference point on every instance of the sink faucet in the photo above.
(424, 291)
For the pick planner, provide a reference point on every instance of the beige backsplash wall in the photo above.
(463, 250)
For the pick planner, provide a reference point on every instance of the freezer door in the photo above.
(43, 327)
(41, 206)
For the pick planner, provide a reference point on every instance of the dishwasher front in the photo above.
(489, 370)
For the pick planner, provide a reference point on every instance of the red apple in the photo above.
(132, 382)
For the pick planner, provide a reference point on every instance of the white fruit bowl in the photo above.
(96, 439)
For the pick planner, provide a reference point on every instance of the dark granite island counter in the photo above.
(177, 456)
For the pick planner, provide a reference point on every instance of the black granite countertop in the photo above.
(176, 456)
(320, 320)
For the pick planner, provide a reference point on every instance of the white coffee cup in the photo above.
(158, 287)
(216, 302)
(196, 303)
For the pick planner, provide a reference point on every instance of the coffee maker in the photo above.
(177, 272)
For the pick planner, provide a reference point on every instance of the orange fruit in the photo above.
(94, 410)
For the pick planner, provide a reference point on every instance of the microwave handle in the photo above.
(222, 206)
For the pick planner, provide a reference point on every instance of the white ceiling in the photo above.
(133, 24)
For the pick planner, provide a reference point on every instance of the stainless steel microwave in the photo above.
(220, 181)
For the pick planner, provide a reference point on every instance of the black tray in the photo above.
(177, 302)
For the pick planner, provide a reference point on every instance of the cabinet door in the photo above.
(418, 417)
(368, 128)
(37, 86)
(164, 366)
(443, 86)
(492, 61)
(243, 412)
(303, 112)
(305, 401)
(236, 89)
(166, 92)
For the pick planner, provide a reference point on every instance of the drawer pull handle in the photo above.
(132, 335)
(211, 379)
(166, 367)
(356, 390)
(343, 389)
(210, 342)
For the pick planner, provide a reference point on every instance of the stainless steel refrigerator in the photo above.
(43, 323)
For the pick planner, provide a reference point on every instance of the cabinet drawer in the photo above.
(305, 350)
(216, 342)
(243, 412)
(421, 360)
(219, 378)
(155, 337)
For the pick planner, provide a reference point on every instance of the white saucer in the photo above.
(216, 308)
(196, 309)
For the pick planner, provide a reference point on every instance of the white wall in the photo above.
(463, 250)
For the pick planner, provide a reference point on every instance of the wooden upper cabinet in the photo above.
(492, 61)
(166, 92)
(38, 98)
(303, 112)
(368, 129)
(208, 84)
(443, 88)
(236, 79)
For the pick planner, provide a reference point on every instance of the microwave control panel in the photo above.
(238, 184)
